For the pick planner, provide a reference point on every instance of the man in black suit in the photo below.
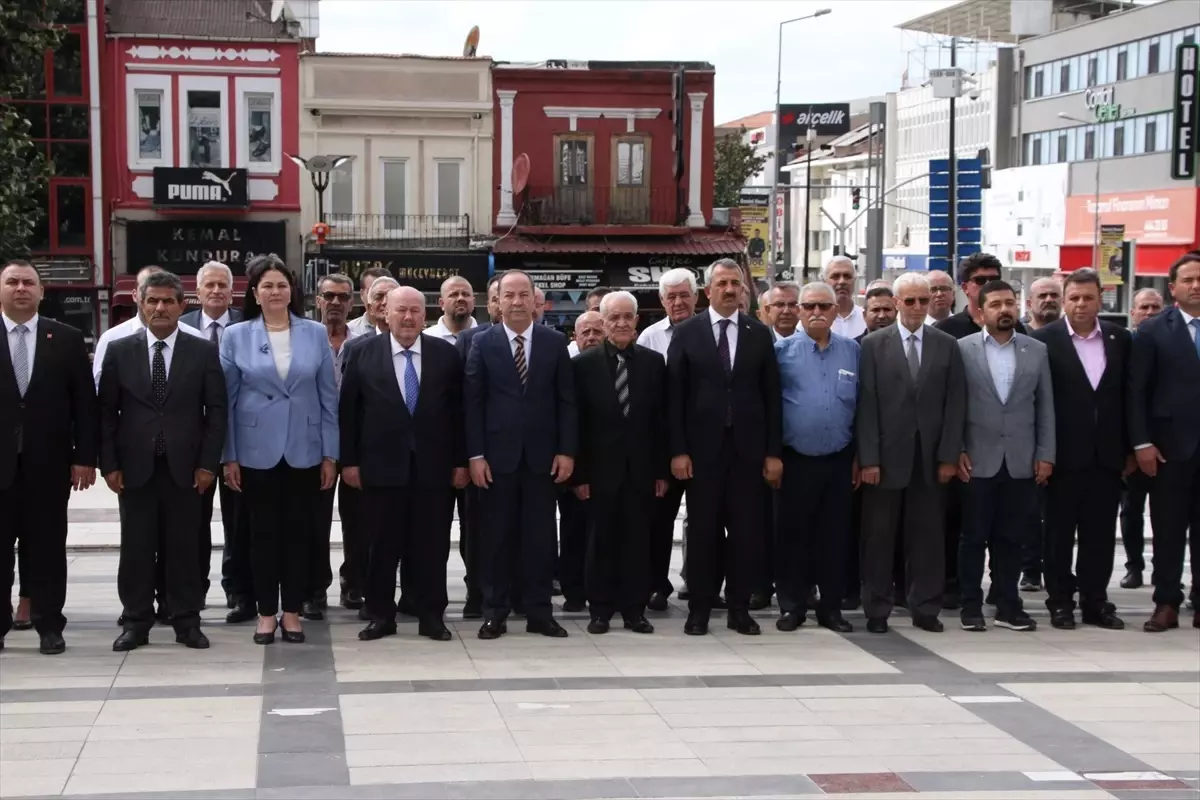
(1088, 363)
(522, 434)
(401, 422)
(1164, 429)
(623, 465)
(163, 412)
(725, 420)
(48, 446)
(214, 290)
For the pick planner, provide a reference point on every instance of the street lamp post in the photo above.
(319, 169)
(777, 150)
(1097, 151)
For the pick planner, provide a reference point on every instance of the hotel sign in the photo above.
(1186, 117)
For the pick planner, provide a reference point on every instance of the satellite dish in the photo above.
(472, 44)
(520, 173)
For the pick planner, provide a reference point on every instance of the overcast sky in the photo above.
(853, 52)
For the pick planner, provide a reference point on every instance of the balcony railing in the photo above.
(398, 230)
(603, 205)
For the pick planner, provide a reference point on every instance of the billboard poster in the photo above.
(755, 208)
(1110, 267)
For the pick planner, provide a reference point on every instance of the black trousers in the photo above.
(518, 514)
(160, 522)
(470, 524)
(1036, 550)
(35, 514)
(814, 526)
(572, 545)
(664, 512)
(237, 565)
(995, 510)
(1084, 501)
(618, 551)
(229, 522)
(283, 502)
(409, 524)
(352, 576)
(955, 491)
(766, 575)
(914, 516)
(1174, 508)
(1133, 520)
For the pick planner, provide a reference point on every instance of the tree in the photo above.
(734, 164)
(25, 35)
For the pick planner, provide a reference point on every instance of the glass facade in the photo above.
(1132, 136)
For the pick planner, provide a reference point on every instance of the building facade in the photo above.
(416, 194)
(202, 101)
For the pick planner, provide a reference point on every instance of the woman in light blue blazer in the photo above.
(282, 441)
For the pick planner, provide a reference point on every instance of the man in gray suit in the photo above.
(1008, 447)
(911, 406)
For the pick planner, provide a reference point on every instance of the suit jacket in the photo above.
(1016, 433)
(56, 424)
(506, 422)
(272, 418)
(1090, 425)
(463, 342)
(376, 428)
(198, 321)
(611, 445)
(699, 392)
(192, 419)
(893, 409)
(1164, 387)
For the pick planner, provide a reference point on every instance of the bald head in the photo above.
(1045, 302)
(405, 314)
(589, 330)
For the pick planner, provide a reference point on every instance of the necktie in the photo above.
(158, 383)
(1195, 333)
(214, 332)
(623, 384)
(723, 347)
(412, 385)
(20, 360)
(519, 358)
(914, 361)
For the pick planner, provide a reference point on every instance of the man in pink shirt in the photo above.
(1088, 360)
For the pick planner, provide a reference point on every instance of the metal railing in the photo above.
(603, 205)
(399, 230)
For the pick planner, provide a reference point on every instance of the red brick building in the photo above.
(619, 184)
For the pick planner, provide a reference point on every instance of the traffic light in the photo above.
(855, 198)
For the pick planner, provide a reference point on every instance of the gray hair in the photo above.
(145, 272)
(1147, 290)
(914, 279)
(819, 286)
(162, 280)
(338, 278)
(786, 286)
(723, 263)
(214, 265)
(675, 277)
(838, 260)
(610, 298)
(379, 282)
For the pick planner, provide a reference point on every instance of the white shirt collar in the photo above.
(511, 334)
(714, 317)
(987, 337)
(10, 326)
(1187, 318)
(170, 340)
(442, 330)
(222, 320)
(397, 348)
(855, 312)
(906, 334)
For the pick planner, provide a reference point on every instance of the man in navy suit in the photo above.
(1164, 429)
(522, 432)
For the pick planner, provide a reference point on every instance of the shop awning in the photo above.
(696, 244)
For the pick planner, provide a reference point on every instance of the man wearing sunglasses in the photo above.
(974, 271)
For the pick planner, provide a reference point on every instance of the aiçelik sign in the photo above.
(1101, 101)
(824, 119)
(1186, 116)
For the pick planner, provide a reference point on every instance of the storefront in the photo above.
(424, 270)
(76, 306)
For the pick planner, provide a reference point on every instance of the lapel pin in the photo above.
(264, 349)
(49, 335)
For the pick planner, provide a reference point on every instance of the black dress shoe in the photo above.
(598, 626)
(22, 625)
(473, 608)
(696, 625)
(684, 593)
(931, 624)
(230, 600)
(1132, 580)
(242, 612)
(377, 629)
(546, 627)
(311, 610)
(130, 640)
(759, 601)
(556, 589)
(877, 625)
(352, 600)
(266, 638)
(574, 606)
(851, 603)
(1104, 617)
(743, 623)
(493, 629)
(835, 622)
(639, 625)
(192, 638)
(789, 621)
(658, 602)
(120, 621)
(52, 644)
(291, 637)
(1063, 619)
(364, 615)
(437, 631)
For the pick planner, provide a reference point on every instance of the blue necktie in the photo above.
(411, 385)
(1196, 334)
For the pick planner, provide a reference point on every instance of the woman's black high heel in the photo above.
(265, 638)
(291, 637)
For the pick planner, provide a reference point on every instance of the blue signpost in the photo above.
(967, 214)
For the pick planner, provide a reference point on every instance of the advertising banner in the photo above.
(1111, 268)
(755, 207)
(1164, 216)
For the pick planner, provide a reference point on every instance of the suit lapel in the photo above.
(1062, 340)
(7, 374)
(386, 369)
(981, 364)
(142, 367)
(743, 344)
(1183, 336)
(42, 355)
(1026, 365)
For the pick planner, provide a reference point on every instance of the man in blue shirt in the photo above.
(818, 373)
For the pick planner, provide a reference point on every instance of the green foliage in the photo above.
(734, 164)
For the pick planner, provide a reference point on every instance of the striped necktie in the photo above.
(622, 383)
(519, 359)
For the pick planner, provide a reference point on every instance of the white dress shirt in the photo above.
(852, 325)
(281, 351)
(918, 335)
(400, 363)
(1002, 363)
(442, 331)
(167, 351)
(512, 342)
(573, 349)
(657, 337)
(127, 328)
(731, 333)
(30, 340)
(222, 322)
(1187, 324)
(930, 321)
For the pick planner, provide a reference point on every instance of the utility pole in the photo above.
(810, 136)
(952, 213)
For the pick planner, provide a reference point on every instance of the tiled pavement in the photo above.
(1055, 715)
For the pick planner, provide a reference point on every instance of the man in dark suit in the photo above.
(401, 423)
(725, 420)
(911, 407)
(48, 446)
(522, 434)
(1164, 429)
(623, 464)
(214, 290)
(163, 417)
(1088, 363)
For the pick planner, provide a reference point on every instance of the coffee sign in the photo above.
(200, 187)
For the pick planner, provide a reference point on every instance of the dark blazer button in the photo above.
(270, 397)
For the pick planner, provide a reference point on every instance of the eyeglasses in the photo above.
(335, 297)
(912, 301)
(816, 306)
(980, 280)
